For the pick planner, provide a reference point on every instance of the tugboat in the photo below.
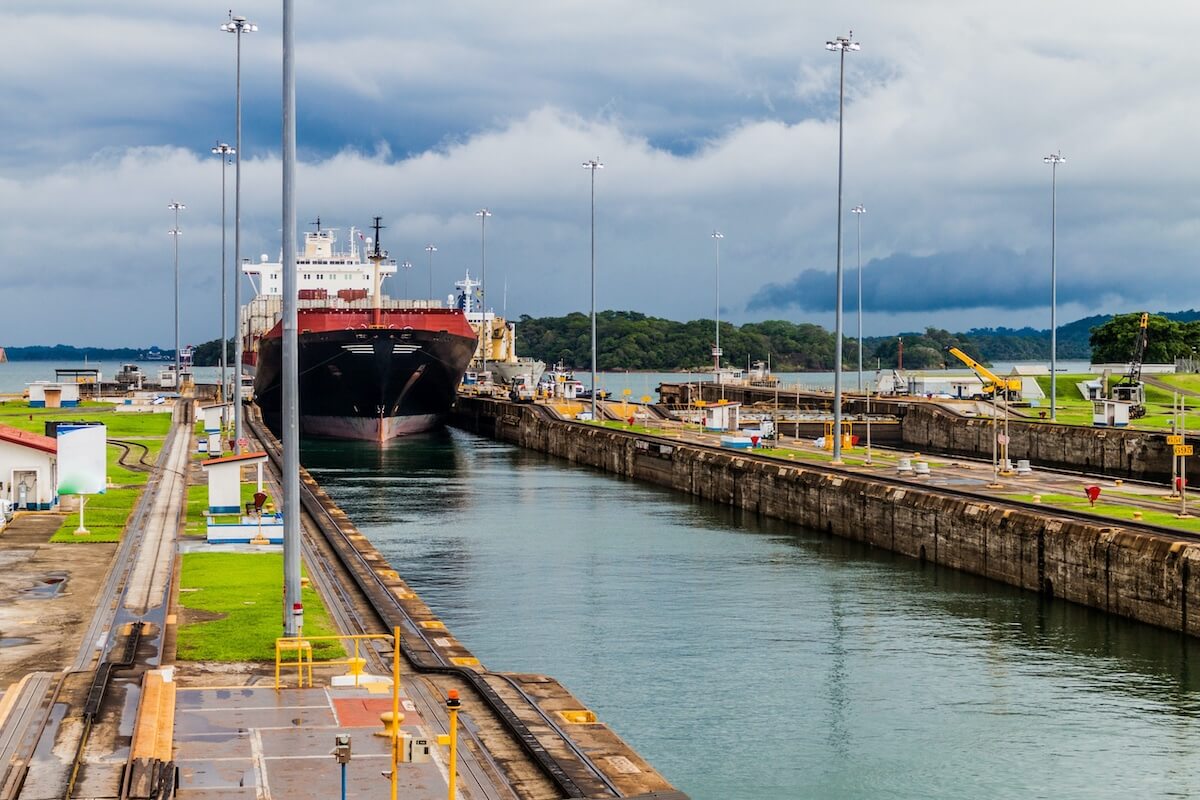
(370, 367)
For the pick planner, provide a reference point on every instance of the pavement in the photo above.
(255, 742)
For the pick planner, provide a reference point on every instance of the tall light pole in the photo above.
(175, 232)
(224, 151)
(429, 248)
(593, 165)
(839, 45)
(406, 265)
(293, 610)
(1054, 159)
(858, 211)
(485, 333)
(237, 26)
(717, 236)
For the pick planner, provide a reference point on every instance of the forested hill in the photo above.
(630, 340)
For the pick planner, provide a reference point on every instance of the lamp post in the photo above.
(717, 236)
(293, 607)
(175, 233)
(406, 265)
(485, 333)
(224, 151)
(237, 26)
(593, 165)
(839, 45)
(1054, 159)
(858, 211)
(429, 248)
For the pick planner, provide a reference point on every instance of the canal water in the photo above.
(749, 659)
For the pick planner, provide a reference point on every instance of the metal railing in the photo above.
(303, 648)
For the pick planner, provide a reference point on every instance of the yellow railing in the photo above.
(302, 646)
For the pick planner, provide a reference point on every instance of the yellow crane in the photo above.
(1009, 388)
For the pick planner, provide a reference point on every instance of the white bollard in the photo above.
(1023, 467)
(904, 467)
(921, 468)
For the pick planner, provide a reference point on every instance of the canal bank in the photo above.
(1135, 571)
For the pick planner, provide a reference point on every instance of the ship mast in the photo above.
(376, 256)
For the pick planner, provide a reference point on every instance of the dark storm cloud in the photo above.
(986, 278)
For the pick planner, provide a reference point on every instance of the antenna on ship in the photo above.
(317, 223)
(377, 228)
(377, 256)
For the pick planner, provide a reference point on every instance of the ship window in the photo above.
(307, 276)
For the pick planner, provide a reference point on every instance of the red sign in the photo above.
(243, 443)
(1180, 483)
(754, 441)
(1093, 493)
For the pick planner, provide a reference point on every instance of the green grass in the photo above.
(106, 515)
(121, 425)
(1186, 381)
(246, 590)
(1166, 519)
(1075, 410)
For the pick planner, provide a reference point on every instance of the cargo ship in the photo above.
(370, 367)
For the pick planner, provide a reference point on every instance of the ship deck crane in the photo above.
(1008, 388)
(1131, 389)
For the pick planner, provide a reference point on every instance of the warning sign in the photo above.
(1183, 449)
(1175, 438)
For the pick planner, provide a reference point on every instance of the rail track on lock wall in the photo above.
(425, 657)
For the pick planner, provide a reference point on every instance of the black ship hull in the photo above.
(366, 383)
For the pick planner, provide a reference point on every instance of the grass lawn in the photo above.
(1166, 519)
(243, 593)
(1075, 410)
(105, 515)
(1182, 380)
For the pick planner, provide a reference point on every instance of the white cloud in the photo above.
(707, 115)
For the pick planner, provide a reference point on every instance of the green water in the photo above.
(745, 658)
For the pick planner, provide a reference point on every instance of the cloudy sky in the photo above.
(707, 115)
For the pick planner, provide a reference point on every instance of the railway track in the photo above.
(576, 777)
(46, 689)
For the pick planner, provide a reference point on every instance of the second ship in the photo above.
(370, 367)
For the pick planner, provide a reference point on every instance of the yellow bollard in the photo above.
(1037, 498)
(1137, 515)
(391, 728)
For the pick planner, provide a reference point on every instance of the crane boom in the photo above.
(1011, 387)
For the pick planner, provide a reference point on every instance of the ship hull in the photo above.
(507, 370)
(362, 383)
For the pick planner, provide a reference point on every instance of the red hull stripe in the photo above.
(452, 321)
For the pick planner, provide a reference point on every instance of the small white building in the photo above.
(28, 469)
(722, 416)
(49, 394)
(225, 481)
(1110, 413)
(1029, 373)
(214, 416)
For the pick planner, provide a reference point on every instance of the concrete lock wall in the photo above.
(1131, 573)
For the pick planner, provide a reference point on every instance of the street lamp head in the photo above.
(239, 25)
(858, 209)
(593, 164)
(718, 235)
(1054, 158)
(430, 248)
(483, 212)
(843, 43)
(223, 149)
(176, 206)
